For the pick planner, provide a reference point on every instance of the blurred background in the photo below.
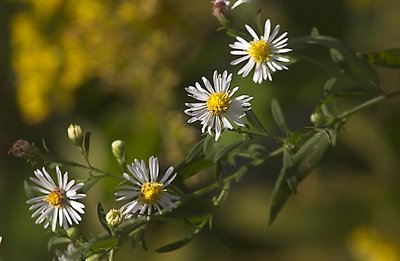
(119, 68)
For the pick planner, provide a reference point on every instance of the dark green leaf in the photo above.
(193, 167)
(218, 235)
(222, 152)
(387, 58)
(258, 21)
(304, 161)
(140, 238)
(253, 119)
(56, 240)
(218, 174)
(102, 217)
(46, 149)
(175, 245)
(89, 183)
(278, 115)
(196, 150)
(86, 143)
(365, 73)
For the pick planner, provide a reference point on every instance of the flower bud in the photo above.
(20, 148)
(114, 217)
(119, 151)
(316, 118)
(75, 134)
(23, 149)
(73, 233)
(222, 11)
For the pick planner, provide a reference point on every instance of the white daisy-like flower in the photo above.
(59, 203)
(217, 109)
(148, 190)
(265, 52)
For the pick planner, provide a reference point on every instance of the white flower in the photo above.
(59, 203)
(217, 108)
(1, 239)
(265, 52)
(148, 192)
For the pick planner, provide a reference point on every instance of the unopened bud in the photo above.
(20, 148)
(222, 11)
(316, 118)
(23, 149)
(119, 151)
(75, 134)
(114, 217)
(73, 233)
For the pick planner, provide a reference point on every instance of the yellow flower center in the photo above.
(259, 50)
(151, 192)
(55, 198)
(218, 102)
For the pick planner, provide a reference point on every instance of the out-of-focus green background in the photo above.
(119, 69)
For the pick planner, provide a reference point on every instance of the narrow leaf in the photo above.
(102, 217)
(278, 115)
(140, 238)
(46, 149)
(328, 86)
(196, 150)
(56, 240)
(253, 119)
(175, 245)
(86, 143)
(387, 58)
(258, 21)
(28, 190)
(222, 152)
(218, 235)
(304, 161)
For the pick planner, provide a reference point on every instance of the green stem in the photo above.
(79, 165)
(254, 133)
(367, 104)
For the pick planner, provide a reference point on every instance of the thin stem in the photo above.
(79, 165)
(367, 104)
(254, 133)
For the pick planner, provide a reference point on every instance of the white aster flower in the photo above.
(264, 52)
(148, 191)
(59, 203)
(217, 109)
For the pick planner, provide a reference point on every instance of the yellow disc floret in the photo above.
(55, 198)
(218, 102)
(259, 50)
(151, 192)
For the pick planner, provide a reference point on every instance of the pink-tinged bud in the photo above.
(20, 148)
(221, 10)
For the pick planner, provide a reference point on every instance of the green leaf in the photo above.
(28, 190)
(46, 149)
(328, 86)
(86, 143)
(365, 73)
(141, 240)
(56, 240)
(253, 119)
(196, 150)
(304, 161)
(102, 245)
(314, 32)
(387, 58)
(192, 168)
(175, 245)
(218, 174)
(218, 235)
(102, 217)
(89, 183)
(258, 22)
(222, 152)
(278, 115)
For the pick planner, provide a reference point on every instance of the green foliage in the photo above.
(387, 58)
